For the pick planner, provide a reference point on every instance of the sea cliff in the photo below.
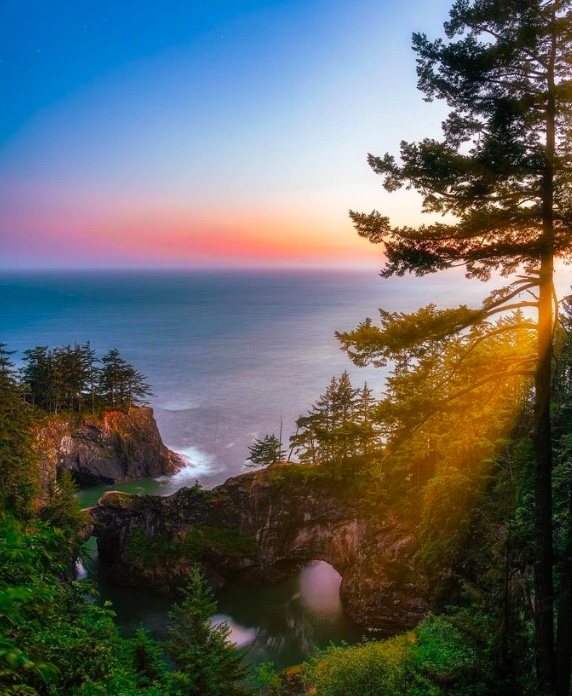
(111, 448)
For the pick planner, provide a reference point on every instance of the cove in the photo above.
(282, 623)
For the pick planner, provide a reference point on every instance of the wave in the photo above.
(198, 463)
(176, 406)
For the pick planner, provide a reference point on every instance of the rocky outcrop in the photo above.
(113, 448)
(264, 525)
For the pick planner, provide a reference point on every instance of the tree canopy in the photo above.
(18, 468)
(339, 427)
(69, 378)
(265, 451)
(208, 663)
(501, 176)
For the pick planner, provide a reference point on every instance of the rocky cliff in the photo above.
(264, 525)
(112, 448)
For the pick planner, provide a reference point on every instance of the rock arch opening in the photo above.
(319, 584)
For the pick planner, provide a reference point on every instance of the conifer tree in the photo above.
(62, 511)
(338, 427)
(147, 659)
(91, 374)
(502, 174)
(207, 664)
(37, 377)
(367, 429)
(120, 384)
(18, 466)
(70, 376)
(266, 451)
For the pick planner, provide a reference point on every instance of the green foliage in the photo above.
(120, 384)
(266, 451)
(69, 379)
(18, 465)
(198, 542)
(339, 428)
(402, 335)
(55, 640)
(201, 539)
(62, 511)
(147, 659)
(292, 478)
(434, 659)
(268, 682)
(207, 663)
(501, 178)
(50, 633)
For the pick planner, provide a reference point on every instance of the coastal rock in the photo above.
(264, 525)
(113, 448)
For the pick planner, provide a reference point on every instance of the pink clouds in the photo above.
(53, 226)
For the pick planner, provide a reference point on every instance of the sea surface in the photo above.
(230, 356)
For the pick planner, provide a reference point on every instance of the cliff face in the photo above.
(114, 448)
(264, 525)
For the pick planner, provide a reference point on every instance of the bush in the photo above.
(433, 660)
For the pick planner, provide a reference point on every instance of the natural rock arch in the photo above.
(264, 525)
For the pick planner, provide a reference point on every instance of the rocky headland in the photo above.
(264, 525)
(99, 450)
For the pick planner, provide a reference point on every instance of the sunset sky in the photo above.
(217, 133)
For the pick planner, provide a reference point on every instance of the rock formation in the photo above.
(113, 448)
(264, 525)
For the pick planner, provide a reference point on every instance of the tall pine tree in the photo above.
(501, 173)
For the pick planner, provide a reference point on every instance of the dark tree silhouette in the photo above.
(266, 451)
(120, 384)
(338, 427)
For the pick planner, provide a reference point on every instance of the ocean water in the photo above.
(229, 355)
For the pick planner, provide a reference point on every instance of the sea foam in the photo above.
(197, 464)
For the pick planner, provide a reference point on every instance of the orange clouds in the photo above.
(233, 235)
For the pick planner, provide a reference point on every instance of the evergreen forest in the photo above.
(73, 379)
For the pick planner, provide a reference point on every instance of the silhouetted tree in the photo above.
(266, 451)
(120, 384)
(339, 426)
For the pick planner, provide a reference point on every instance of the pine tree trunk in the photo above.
(543, 581)
(543, 563)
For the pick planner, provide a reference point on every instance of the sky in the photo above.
(220, 133)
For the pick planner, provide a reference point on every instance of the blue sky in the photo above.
(191, 133)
